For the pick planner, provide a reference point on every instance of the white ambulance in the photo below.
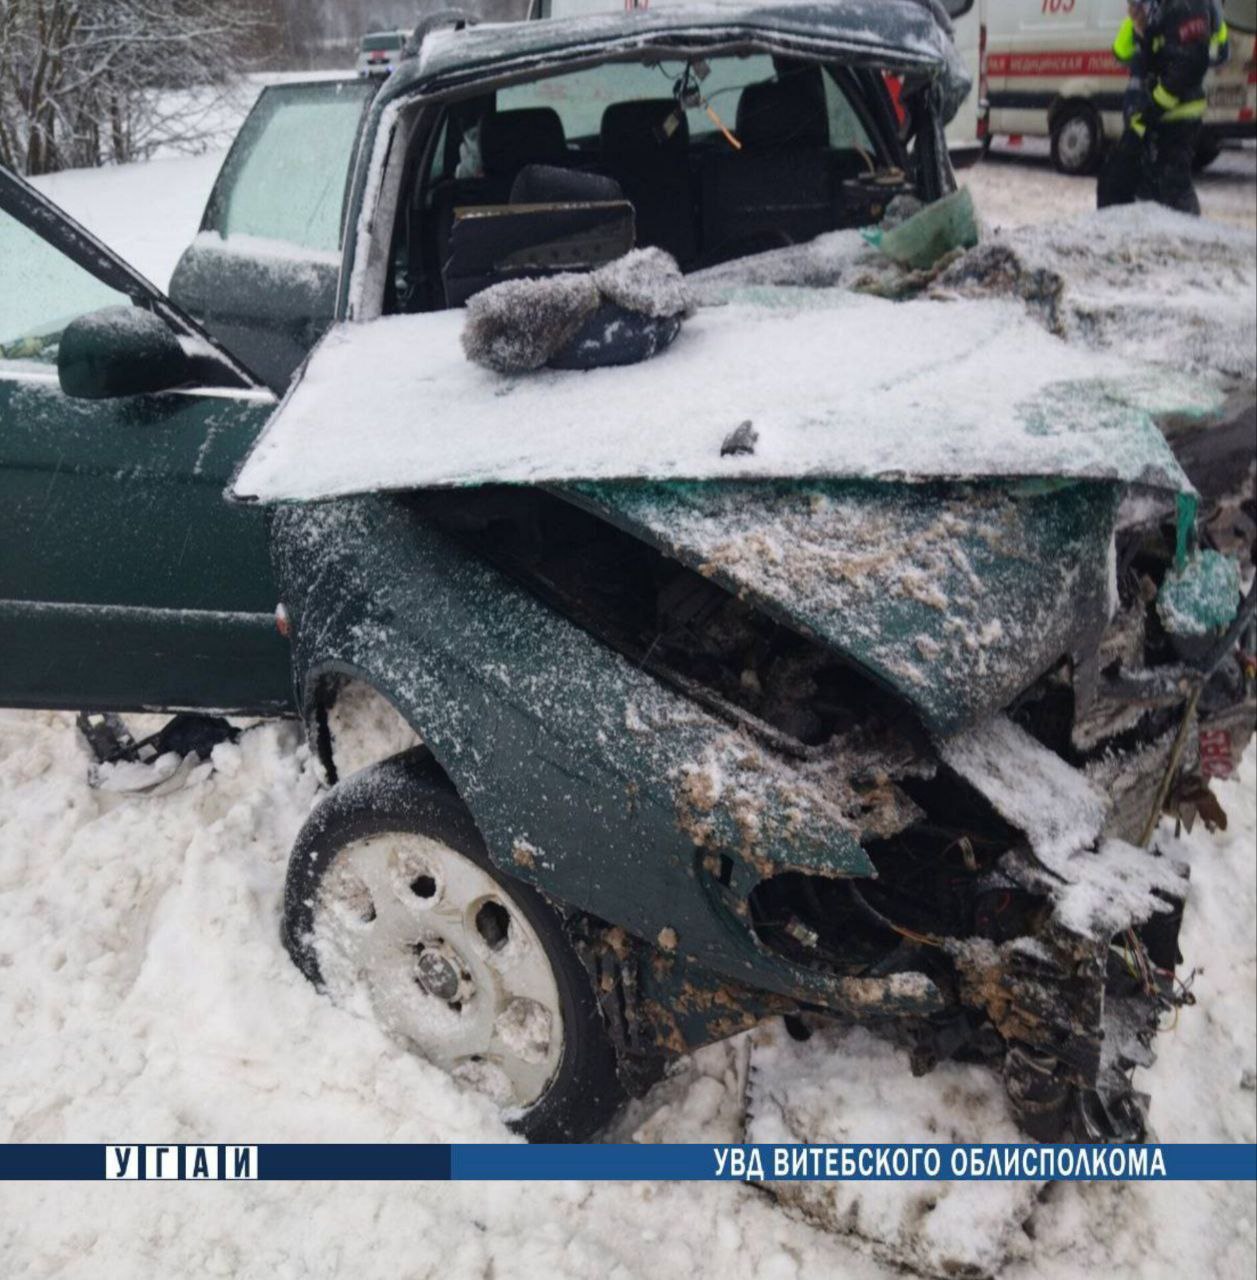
(966, 135)
(1050, 72)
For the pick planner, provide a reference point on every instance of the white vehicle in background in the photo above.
(966, 134)
(380, 52)
(1051, 73)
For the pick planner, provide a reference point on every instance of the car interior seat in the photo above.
(782, 187)
(645, 147)
(509, 142)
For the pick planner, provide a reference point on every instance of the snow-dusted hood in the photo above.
(958, 594)
(958, 597)
(834, 385)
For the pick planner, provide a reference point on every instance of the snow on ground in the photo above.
(144, 994)
(149, 213)
(1015, 185)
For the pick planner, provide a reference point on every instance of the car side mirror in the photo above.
(120, 351)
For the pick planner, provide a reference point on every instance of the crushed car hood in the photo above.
(931, 492)
(833, 385)
(955, 596)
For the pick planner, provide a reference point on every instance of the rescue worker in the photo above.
(1124, 177)
(1170, 45)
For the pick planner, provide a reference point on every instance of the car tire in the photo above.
(1077, 140)
(368, 835)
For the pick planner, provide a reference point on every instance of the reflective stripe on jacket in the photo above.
(1174, 110)
(1177, 48)
(1126, 45)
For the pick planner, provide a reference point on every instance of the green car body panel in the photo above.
(126, 580)
(991, 586)
(588, 776)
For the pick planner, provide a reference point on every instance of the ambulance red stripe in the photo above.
(1055, 62)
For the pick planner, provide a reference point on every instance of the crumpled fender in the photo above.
(577, 766)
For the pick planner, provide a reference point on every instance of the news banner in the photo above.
(626, 1162)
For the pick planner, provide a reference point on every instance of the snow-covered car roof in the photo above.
(889, 34)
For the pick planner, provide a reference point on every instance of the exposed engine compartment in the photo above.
(1067, 1003)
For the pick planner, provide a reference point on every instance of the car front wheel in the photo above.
(390, 891)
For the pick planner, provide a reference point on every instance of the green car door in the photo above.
(262, 273)
(127, 580)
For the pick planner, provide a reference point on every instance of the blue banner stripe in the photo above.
(626, 1162)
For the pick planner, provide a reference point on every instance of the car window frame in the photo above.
(412, 113)
(242, 144)
(33, 210)
(399, 125)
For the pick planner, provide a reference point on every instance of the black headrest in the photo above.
(789, 112)
(544, 184)
(511, 139)
(634, 128)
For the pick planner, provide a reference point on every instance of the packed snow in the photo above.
(144, 993)
(1016, 186)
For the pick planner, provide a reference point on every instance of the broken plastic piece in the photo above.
(153, 760)
(937, 230)
(1202, 597)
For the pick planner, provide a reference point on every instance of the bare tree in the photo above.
(88, 82)
(83, 82)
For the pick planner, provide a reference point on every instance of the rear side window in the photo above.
(286, 175)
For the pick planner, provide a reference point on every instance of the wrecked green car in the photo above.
(814, 668)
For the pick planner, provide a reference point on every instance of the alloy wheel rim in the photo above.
(450, 964)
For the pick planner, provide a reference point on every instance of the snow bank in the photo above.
(1150, 284)
(848, 1085)
(145, 992)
